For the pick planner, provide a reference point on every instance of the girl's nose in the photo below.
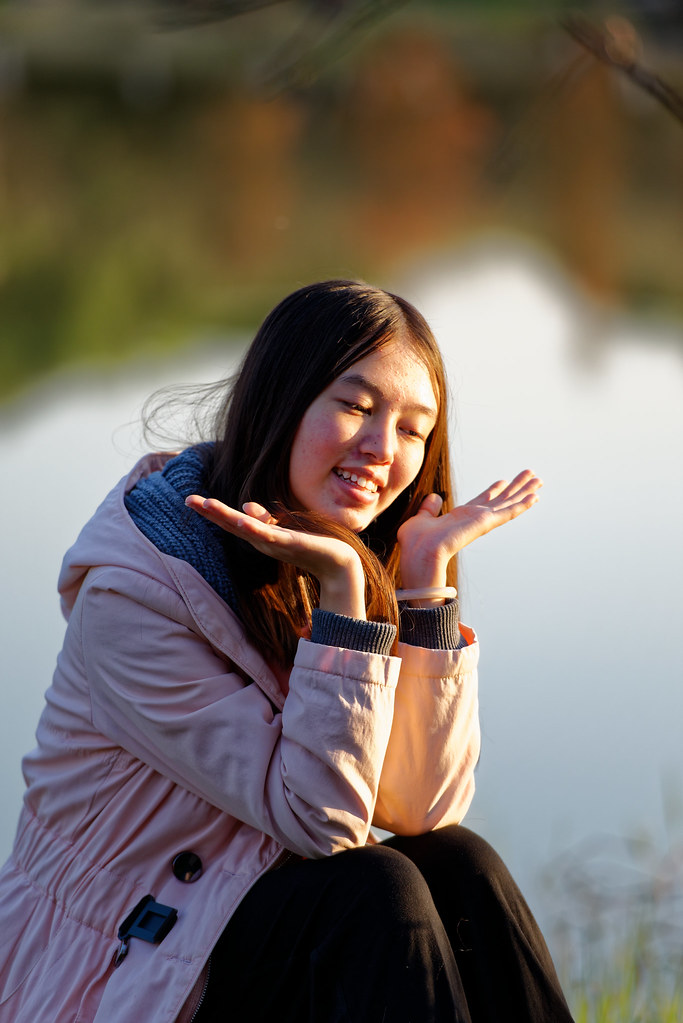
(378, 441)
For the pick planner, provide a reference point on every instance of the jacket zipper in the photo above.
(283, 858)
(203, 992)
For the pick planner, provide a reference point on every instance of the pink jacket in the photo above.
(165, 731)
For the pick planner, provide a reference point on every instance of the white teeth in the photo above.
(360, 481)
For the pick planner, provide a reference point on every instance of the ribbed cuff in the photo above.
(435, 628)
(352, 633)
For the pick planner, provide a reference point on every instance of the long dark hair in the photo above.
(311, 337)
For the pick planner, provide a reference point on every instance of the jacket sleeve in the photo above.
(427, 779)
(307, 776)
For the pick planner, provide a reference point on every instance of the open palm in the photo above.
(429, 540)
(333, 562)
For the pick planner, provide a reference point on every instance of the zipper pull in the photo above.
(149, 920)
(121, 953)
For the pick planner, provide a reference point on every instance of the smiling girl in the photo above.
(263, 660)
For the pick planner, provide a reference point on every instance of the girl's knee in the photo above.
(453, 849)
(389, 880)
(474, 850)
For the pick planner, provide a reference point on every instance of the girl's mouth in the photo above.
(369, 486)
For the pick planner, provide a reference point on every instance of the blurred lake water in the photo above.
(577, 604)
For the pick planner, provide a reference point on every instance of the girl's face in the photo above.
(362, 440)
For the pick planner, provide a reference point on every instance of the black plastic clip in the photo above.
(149, 920)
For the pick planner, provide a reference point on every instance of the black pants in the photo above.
(415, 930)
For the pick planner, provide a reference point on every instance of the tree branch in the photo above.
(617, 45)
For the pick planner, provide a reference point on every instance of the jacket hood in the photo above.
(110, 537)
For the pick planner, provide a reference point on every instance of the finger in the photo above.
(529, 489)
(490, 493)
(528, 501)
(268, 537)
(215, 511)
(209, 506)
(257, 511)
(516, 505)
(523, 482)
(195, 502)
(431, 505)
(220, 514)
(229, 518)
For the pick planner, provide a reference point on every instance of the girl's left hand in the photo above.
(429, 540)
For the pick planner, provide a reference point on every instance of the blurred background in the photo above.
(170, 170)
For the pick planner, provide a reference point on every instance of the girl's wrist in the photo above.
(423, 577)
(343, 591)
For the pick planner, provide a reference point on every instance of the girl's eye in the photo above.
(355, 407)
(413, 433)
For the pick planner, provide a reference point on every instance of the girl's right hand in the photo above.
(334, 563)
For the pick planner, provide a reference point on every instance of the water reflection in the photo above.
(577, 604)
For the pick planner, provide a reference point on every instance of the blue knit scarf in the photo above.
(156, 505)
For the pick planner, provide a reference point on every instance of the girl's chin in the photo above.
(354, 521)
